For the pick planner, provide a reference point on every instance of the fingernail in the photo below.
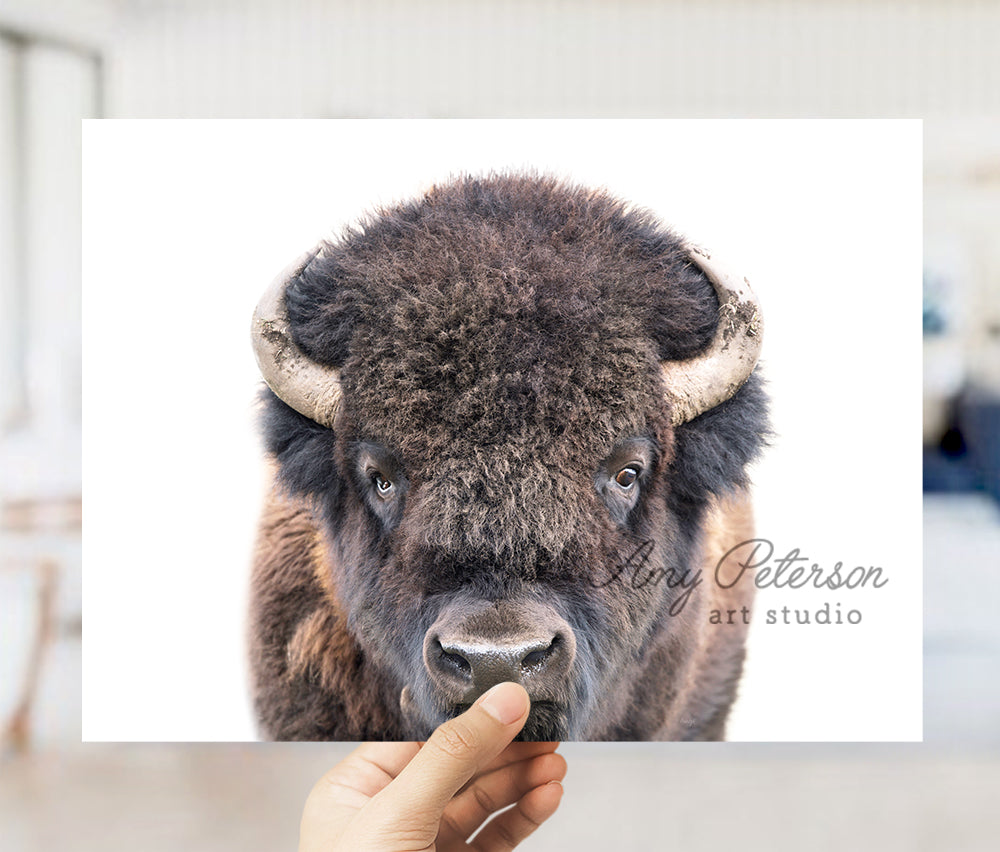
(505, 702)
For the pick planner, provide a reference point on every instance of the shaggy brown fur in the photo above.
(291, 565)
(499, 343)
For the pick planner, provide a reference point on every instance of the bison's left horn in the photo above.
(702, 382)
(311, 389)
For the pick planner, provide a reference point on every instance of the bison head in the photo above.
(502, 402)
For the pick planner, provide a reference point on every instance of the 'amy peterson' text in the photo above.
(789, 572)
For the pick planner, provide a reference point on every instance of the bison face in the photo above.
(484, 396)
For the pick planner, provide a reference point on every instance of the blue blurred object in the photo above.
(968, 455)
(978, 419)
(944, 473)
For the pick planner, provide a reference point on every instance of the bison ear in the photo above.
(682, 312)
(322, 309)
(301, 333)
(713, 450)
(303, 449)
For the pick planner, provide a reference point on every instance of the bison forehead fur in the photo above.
(498, 343)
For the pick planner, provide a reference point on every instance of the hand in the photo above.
(404, 797)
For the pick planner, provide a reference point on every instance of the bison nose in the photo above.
(465, 668)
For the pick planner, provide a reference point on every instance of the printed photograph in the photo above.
(593, 407)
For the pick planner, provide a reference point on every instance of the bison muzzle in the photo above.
(507, 420)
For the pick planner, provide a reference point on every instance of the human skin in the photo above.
(407, 797)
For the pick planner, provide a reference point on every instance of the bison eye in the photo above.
(383, 486)
(627, 476)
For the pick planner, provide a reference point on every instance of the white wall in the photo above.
(85, 23)
(434, 58)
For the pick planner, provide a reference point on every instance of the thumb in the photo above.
(456, 751)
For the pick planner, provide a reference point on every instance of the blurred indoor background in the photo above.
(61, 61)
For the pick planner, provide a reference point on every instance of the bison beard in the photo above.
(482, 404)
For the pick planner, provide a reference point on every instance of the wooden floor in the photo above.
(669, 796)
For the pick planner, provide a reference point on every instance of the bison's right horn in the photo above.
(310, 388)
(702, 382)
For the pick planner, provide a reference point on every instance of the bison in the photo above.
(510, 423)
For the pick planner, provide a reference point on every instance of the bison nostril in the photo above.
(539, 655)
(534, 658)
(453, 660)
(457, 662)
